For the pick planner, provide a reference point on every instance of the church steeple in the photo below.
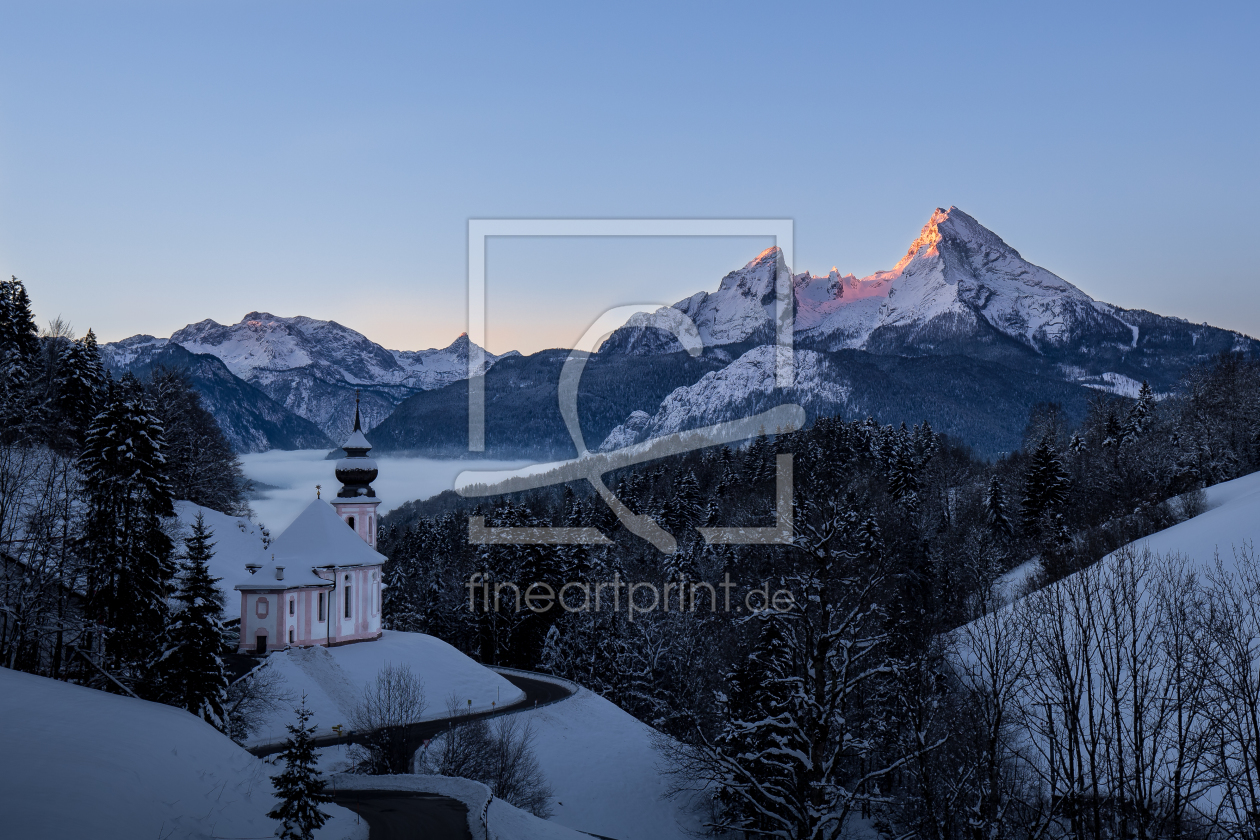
(356, 471)
(356, 500)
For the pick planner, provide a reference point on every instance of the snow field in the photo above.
(82, 763)
(604, 771)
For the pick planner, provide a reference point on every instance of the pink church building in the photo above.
(320, 582)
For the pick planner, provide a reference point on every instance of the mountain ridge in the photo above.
(314, 368)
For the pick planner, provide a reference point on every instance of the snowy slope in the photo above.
(1231, 521)
(333, 679)
(1102, 656)
(742, 388)
(600, 762)
(81, 763)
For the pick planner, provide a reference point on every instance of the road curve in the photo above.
(538, 692)
(393, 814)
(396, 814)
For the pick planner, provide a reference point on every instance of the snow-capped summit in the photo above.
(958, 277)
(741, 309)
(958, 280)
(266, 342)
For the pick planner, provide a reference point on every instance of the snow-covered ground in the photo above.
(81, 763)
(604, 771)
(294, 474)
(333, 679)
(1232, 520)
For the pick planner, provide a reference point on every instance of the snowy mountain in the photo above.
(742, 309)
(978, 401)
(251, 421)
(959, 289)
(312, 367)
(961, 295)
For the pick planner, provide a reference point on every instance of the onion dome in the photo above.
(356, 471)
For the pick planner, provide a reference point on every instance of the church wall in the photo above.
(270, 603)
(365, 604)
(364, 514)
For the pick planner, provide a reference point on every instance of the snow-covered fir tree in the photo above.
(300, 786)
(1046, 483)
(191, 668)
(79, 387)
(19, 351)
(128, 551)
(995, 513)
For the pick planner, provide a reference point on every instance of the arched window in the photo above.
(350, 521)
(291, 600)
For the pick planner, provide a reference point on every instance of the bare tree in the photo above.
(251, 699)
(382, 744)
(499, 754)
(1233, 625)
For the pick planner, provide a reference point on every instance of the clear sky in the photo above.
(165, 162)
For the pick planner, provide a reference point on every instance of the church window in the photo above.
(291, 606)
(348, 601)
(321, 606)
(350, 521)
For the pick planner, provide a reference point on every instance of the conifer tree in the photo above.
(995, 510)
(761, 732)
(192, 668)
(19, 350)
(683, 509)
(1045, 483)
(1141, 416)
(300, 786)
(128, 553)
(80, 386)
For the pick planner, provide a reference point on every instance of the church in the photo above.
(320, 581)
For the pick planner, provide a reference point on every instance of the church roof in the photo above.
(318, 537)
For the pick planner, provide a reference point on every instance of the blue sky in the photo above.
(161, 163)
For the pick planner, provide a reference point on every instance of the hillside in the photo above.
(82, 763)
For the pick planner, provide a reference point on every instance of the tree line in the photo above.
(849, 704)
(95, 585)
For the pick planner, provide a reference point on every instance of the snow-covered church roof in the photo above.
(318, 537)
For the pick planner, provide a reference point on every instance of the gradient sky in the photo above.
(165, 162)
